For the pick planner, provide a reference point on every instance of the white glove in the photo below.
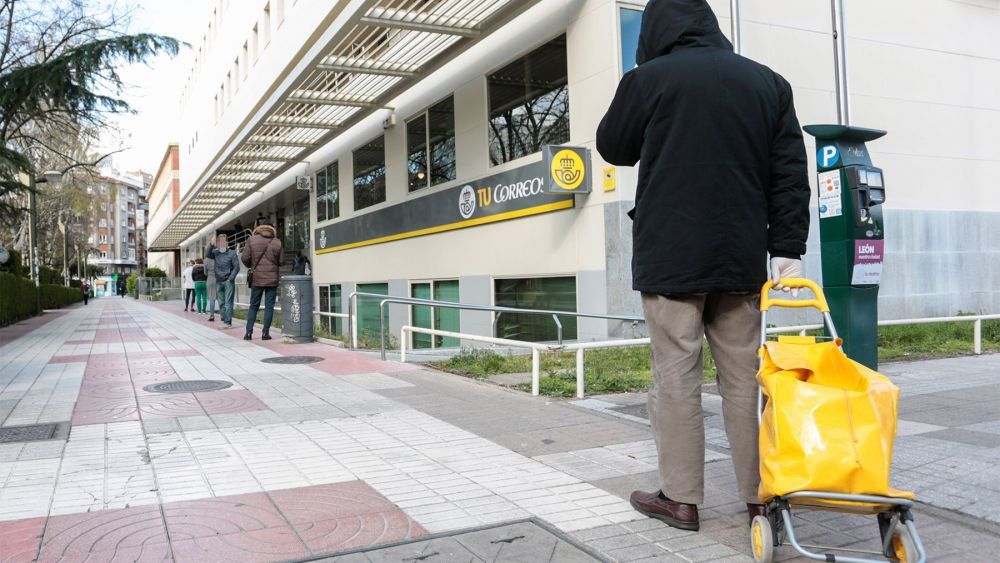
(785, 268)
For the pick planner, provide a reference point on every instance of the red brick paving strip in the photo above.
(278, 525)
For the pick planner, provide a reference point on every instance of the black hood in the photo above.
(669, 24)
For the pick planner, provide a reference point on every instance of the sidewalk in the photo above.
(347, 454)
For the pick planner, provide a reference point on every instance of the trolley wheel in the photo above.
(903, 546)
(762, 540)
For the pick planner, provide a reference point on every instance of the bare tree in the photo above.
(58, 84)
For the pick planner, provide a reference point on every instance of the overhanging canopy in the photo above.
(385, 47)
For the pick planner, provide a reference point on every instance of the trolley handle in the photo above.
(817, 302)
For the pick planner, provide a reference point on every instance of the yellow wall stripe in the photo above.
(565, 204)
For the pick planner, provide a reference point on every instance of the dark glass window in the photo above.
(630, 21)
(321, 191)
(554, 294)
(529, 103)
(328, 193)
(330, 302)
(369, 174)
(430, 139)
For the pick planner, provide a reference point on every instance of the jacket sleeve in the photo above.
(621, 132)
(788, 192)
(245, 256)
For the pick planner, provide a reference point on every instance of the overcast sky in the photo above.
(155, 89)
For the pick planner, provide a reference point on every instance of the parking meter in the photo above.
(851, 193)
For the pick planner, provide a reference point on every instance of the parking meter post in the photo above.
(851, 191)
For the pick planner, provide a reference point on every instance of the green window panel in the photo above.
(446, 319)
(368, 310)
(555, 294)
(422, 316)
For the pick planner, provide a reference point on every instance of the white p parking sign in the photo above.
(828, 156)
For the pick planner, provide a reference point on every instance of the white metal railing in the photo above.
(536, 349)
(580, 347)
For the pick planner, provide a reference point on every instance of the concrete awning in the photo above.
(385, 47)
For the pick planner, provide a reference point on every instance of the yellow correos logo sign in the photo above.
(568, 169)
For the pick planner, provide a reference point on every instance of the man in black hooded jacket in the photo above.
(722, 183)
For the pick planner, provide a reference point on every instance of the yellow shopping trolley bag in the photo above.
(828, 422)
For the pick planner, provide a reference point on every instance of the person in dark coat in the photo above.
(723, 182)
(263, 254)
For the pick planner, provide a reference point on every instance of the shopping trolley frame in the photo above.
(899, 542)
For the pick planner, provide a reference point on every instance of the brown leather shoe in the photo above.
(755, 510)
(676, 514)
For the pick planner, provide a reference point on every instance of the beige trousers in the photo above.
(677, 326)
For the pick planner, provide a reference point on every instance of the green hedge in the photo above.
(17, 298)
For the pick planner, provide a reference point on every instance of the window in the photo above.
(430, 139)
(330, 301)
(630, 21)
(328, 193)
(529, 103)
(266, 23)
(255, 43)
(368, 312)
(236, 74)
(554, 294)
(369, 174)
(436, 318)
(244, 60)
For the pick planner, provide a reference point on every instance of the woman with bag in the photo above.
(200, 282)
(263, 254)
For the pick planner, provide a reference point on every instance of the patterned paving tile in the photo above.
(231, 401)
(19, 540)
(270, 544)
(106, 532)
(221, 516)
(329, 536)
(69, 359)
(170, 405)
(329, 502)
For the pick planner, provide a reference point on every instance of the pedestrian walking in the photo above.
(200, 291)
(188, 284)
(263, 255)
(122, 287)
(227, 267)
(85, 290)
(210, 283)
(723, 183)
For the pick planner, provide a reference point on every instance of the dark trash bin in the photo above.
(296, 309)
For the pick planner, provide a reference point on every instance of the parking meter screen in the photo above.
(874, 178)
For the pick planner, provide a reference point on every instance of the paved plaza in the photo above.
(352, 459)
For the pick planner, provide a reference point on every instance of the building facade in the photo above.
(162, 201)
(119, 223)
(401, 153)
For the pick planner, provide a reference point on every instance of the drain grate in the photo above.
(293, 360)
(31, 433)
(194, 386)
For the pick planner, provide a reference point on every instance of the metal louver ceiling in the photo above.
(386, 47)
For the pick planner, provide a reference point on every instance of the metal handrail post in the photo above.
(350, 322)
(496, 321)
(381, 326)
(559, 329)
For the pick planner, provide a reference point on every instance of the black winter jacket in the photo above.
(723, 178)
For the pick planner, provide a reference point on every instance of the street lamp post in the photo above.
(46, 177)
